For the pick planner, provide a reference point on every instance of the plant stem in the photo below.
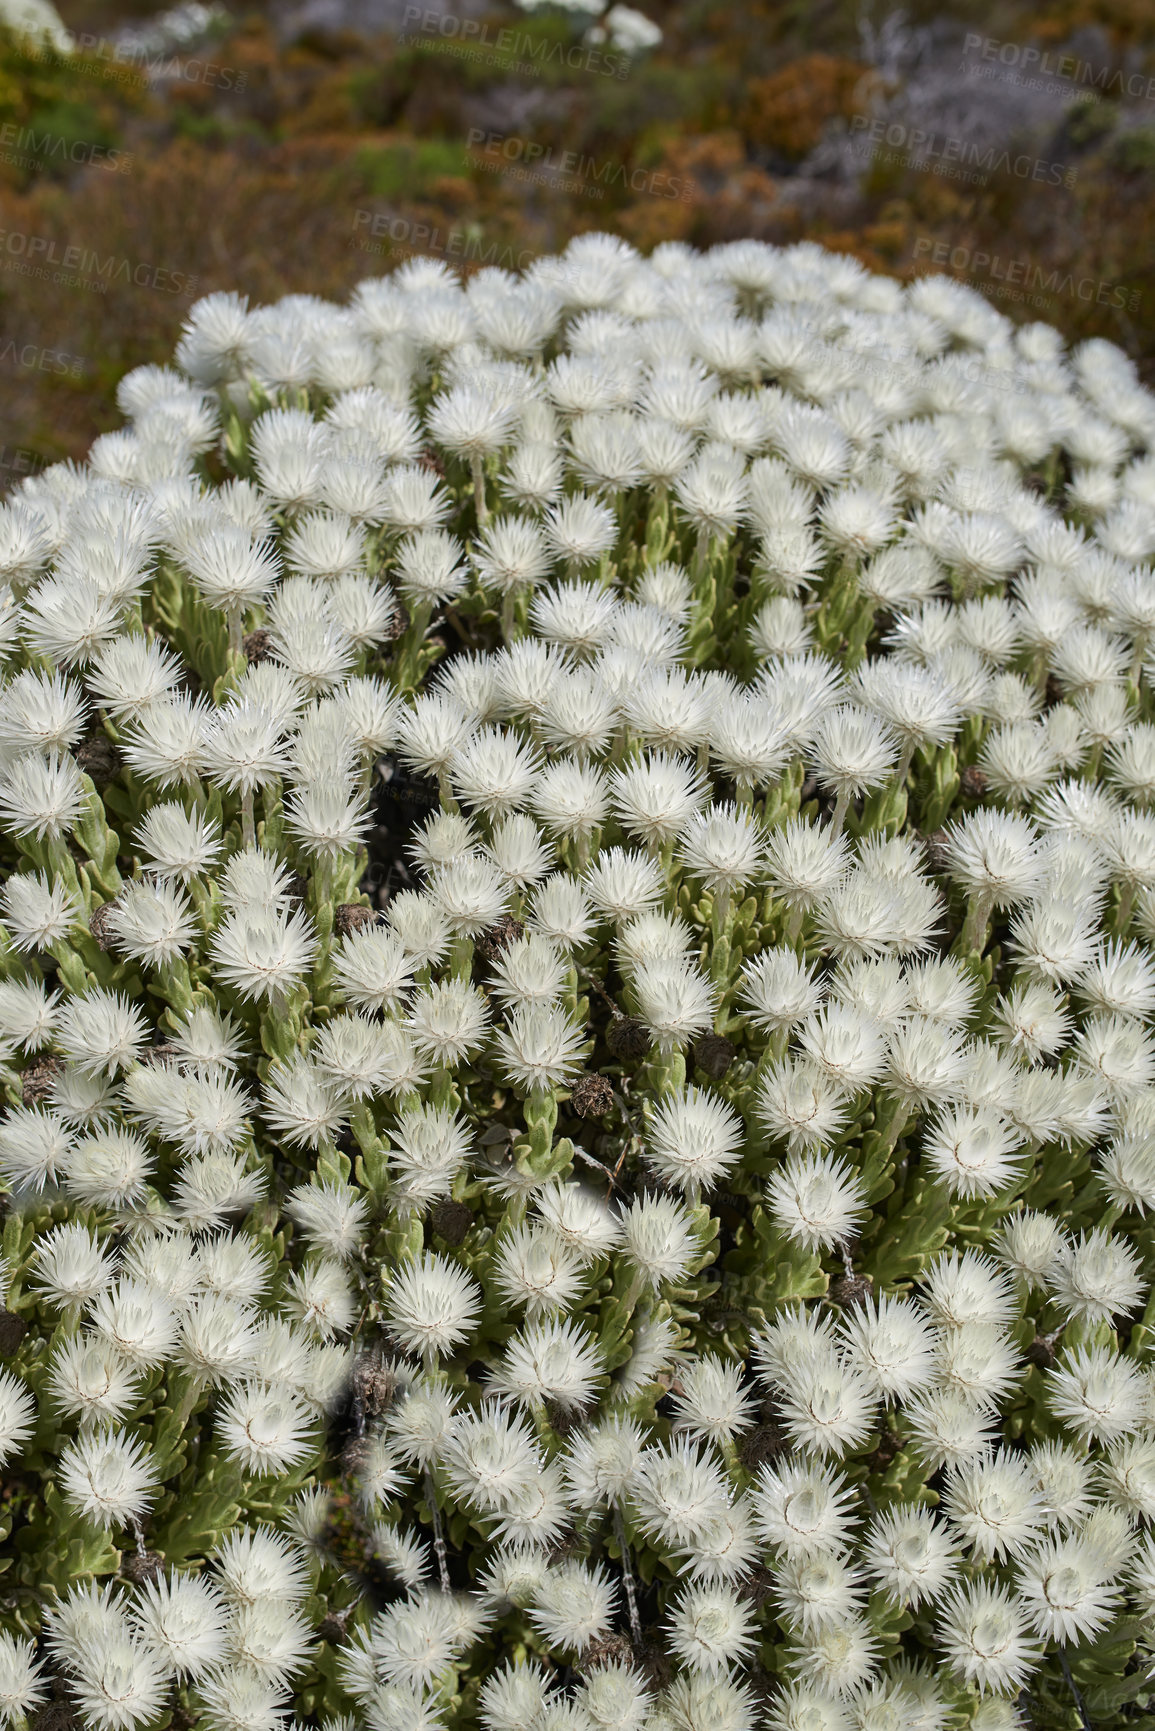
(248, 822)
(839, 817)
(478, 465)
(628, 1578)
(438, 1534)
(974, 931)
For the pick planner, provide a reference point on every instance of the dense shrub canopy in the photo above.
(576, 1007)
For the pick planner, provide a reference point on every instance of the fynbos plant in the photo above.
(576, 1016)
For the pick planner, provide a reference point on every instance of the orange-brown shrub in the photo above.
(786, 112)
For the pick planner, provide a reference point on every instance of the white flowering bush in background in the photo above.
(576, 1016)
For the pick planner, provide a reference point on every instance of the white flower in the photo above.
(320, 1296)
(17, 1415)
(118, 1684)
(551, 1360)
(803, 1509)
(447, 1021)
(332, 1216)
(723, 847)
(71, 1267)
(255, 1565)
(675, 1000)
(37, 913)
(816, 1199)
(911, 1555)
(432, 1306)
(986, 1637)
(533, 1268)
(539, 1048)
(108, 1477)
(889, 1341)
(1096, 1277)
(574, 1606)
(266, 1429)
(973, 1151)
(694, 1140)
(655, 797)
(152, 923)
(373, 969)
(180, 1619)
(713, 1405)
(710, 1629)
(1096, 1394)
(101, 1033)
(1067, 1590)
(22, 1688)
(262, 953)
(994, 1507)
(429, 1146)
(89, 1380)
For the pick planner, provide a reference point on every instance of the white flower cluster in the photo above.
(576, 1010)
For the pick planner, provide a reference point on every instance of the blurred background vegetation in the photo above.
(260, 149)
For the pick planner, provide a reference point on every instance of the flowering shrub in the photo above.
(576, 1015)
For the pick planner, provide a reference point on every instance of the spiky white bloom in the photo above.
(539, 1048)
(180, 1619)
(373, 969)
(694, 1140)
(972, 1151)
(447, 1021)
(320, 1296)
(659, 1239)
(89, 1380)
(987, 1638)
(1067, 1589)
(108, 1477)
(22, 1687)
(432, 1306)
(574, 1606)
(911, 1555)
(41, 796)
(533, 1268)
(549, 1359)
(816, 1200)
(675, 1000)
(118, 1684)
(266, 1429)
(1096, 1394)
(262, 953)
(1095, 1277)
(891, 1344)
(801, 1104)
(37, 913)
(17, 1415)
(993, 1505)
(712, 1404)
